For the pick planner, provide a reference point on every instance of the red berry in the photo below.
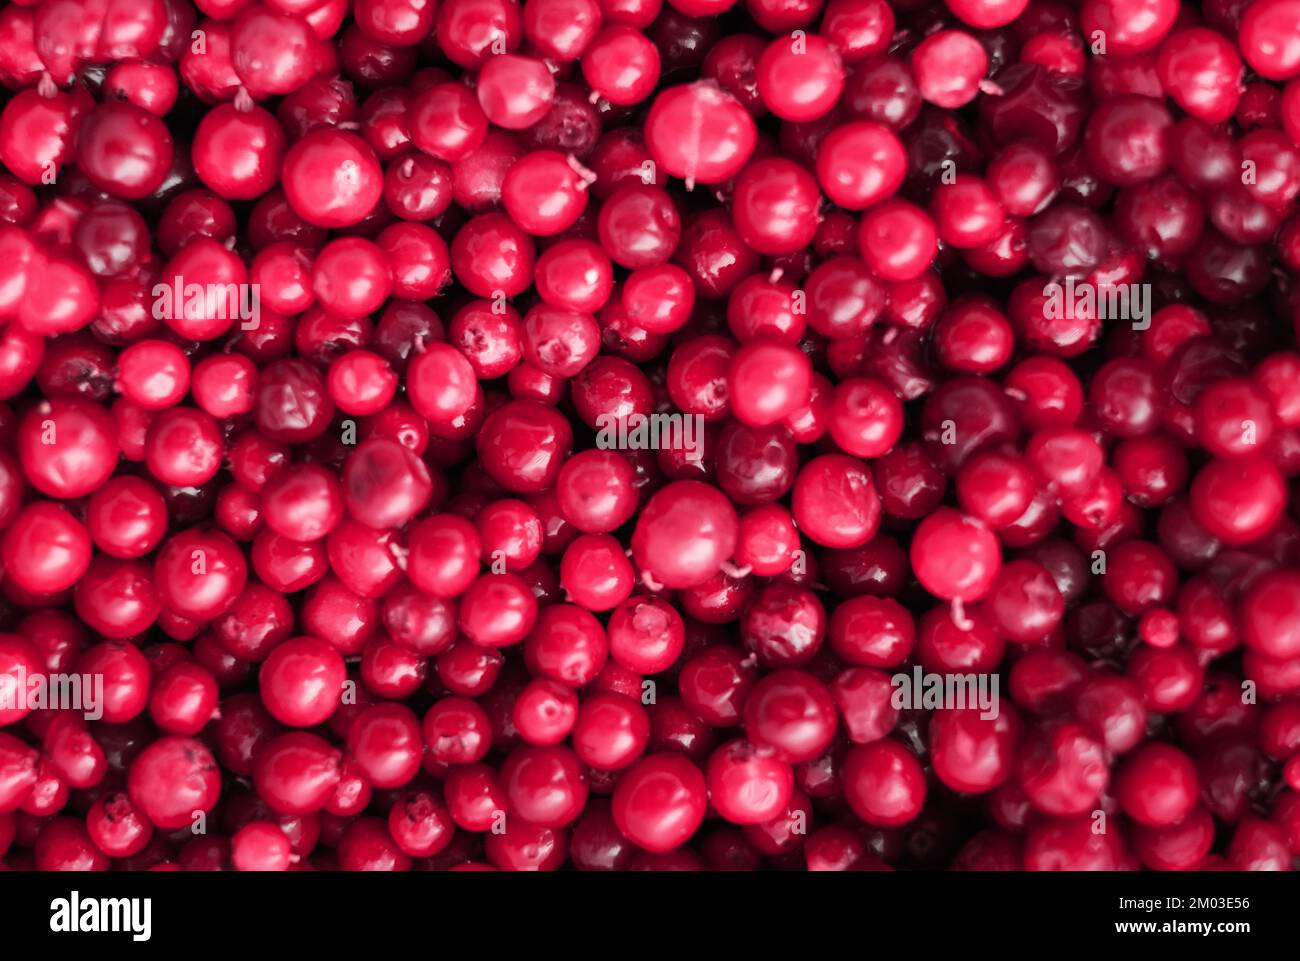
(883, 783)
(660, 802)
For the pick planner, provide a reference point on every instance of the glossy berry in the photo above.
(660, 802)
(954, 556)
(684, 534)
(949, 66)
(171, 780)
(800, 77)
(883, 783)
(714, 147)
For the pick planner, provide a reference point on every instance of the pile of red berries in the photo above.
(314, 316)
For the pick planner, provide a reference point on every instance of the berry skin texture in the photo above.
(1270, 41)
(775, 206)
(1269, 617)
(773, 378)
(860, 164)
(835, 502)
(1251, 486)
(699, 133)
(301, 682)
(261, 846)
(1130, 26)
(68, 447)
(948, 66)
(897, 241)
(1201, 70)
(46, 549)
(1062, 770)
(684, 534)
(792, 714)
(883, 783)
(1157, 786)
(238, 154)
(171, 780)
(515, 92)
(987, 14)
(124, 150)
(660, 802)
(800, 78)
(974, 753)
(746, 787)
(331, 178)
(385, 742)
(954, 556)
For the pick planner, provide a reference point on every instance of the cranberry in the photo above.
(1254, 489)
(116, 826)
(117, 598)
(385, 742)
(800, 78)
(567, 644)
(124, 150)
(954, 556)
(351, 278)
(1024, 602)
(883, 783)
(292, 404)
(768, 381)
(199, 574)
(1201, 70)
(544, 785)
(331, 178)
(67, 447)
(684, 534)
(1062, 769)
(1130, 26)
(610, 731)
(747, 787)
(660, 802)
(1269, 41)
(1157, 786)
(172, 780)
(621, 65)
(1127, 140)
(835, 502)
(183, 447)
(1070, 844)
(184, 699)
(948, 66)
(514, 91)
(237, 154)
(713, 149)
(775, 206)
(46, 549)
(791, 713)
(897, 241)
(544, 192)
(506, 271)
(973, 752)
